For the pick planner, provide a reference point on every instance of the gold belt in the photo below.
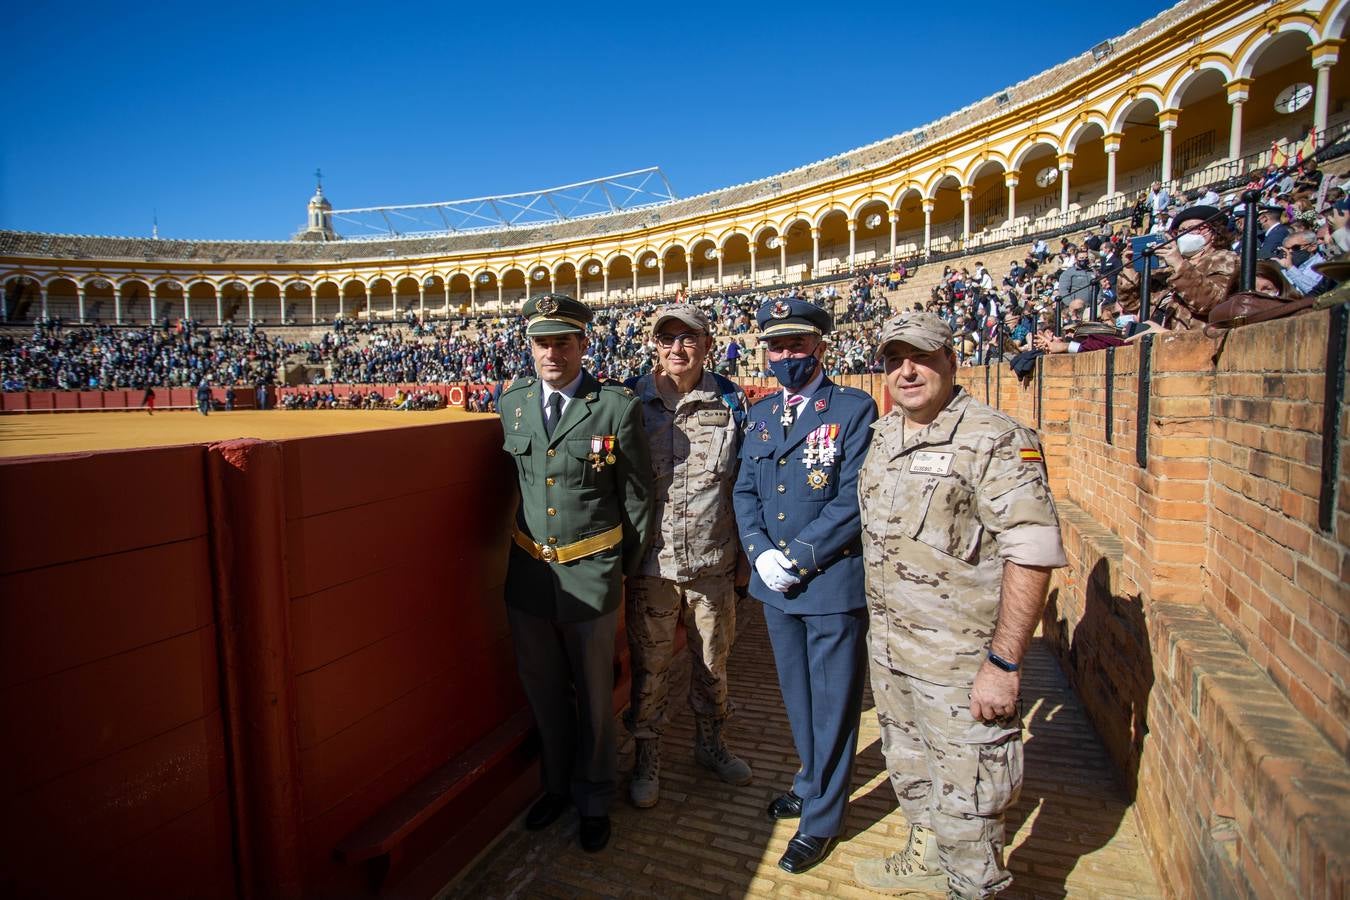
(568, 552)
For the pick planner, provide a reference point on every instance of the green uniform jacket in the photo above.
(564, 498)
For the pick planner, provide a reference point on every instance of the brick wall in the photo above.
(1203, 618)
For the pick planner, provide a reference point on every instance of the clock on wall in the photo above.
(1294, 97)
(1047, 176)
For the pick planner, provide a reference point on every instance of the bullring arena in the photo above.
(263, 652)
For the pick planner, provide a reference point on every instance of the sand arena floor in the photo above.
(35, 434)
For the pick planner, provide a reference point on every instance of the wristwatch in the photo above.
(1002, 663)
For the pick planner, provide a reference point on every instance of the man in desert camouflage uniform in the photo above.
(692, 417)
(959, 537)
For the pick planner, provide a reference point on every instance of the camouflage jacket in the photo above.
(941, 513)
(694, 449)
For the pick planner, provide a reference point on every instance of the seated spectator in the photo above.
(1271, 220)
(1203, 271)
(1270, 280)
(1297, 257)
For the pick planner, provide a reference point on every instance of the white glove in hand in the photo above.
(776, 570)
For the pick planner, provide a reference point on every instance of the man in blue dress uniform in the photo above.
(796, 505)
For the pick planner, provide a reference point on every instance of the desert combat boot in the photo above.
(711, 752)
(645, 787)
(914, 869)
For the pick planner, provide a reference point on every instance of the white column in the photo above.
(578, 297)
(117, 305)
(635, 278)
(689, 269)
(894, 217)
(605, 270)
(1237, 96)
(1167, 124)
(719, 266)
(1010, 181)
(966, 194)
(473, 294)
(220, 308)
(752, 264)
(927, 226)
(342, 300)
(248, 293)
(313, 304)
(422, 298)
(152, 305)
(499, 293)
(552, 282)
(42, 293)
(1111, 144)
(661, 276)
(782, 256)
(1324, 56)
(852, 241)
(187, 304)
(815, 251)
(1065, 167)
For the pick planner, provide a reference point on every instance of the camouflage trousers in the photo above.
(951, 774)
(654, 605)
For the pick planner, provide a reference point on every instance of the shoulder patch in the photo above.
(617, 388)
(517, 384)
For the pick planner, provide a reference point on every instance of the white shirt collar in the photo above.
(568, 390)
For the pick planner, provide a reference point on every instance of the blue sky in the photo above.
(215, 116)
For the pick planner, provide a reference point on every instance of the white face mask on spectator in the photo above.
(1190, 243)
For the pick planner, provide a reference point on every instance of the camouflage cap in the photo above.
(684, 312)
(555, 314)
(923, 330)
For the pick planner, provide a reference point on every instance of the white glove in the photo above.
(776, 570)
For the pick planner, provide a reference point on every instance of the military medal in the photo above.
(597, 443)
(610, 458)
(817, 478)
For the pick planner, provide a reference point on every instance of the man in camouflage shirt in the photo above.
(692, 418)
(959, 537)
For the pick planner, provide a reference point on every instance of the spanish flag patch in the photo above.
(1029, 455)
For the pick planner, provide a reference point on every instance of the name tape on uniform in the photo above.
(929, 462)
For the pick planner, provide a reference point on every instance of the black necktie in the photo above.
(554, 412)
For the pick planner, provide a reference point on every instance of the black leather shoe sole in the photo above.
(804, 851)
(545, 811)
(594, 833)
(786, 806)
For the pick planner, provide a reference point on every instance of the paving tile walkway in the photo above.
(1071, 834)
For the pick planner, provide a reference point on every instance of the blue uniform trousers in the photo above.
(821, 660)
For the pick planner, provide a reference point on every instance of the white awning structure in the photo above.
(624, 192)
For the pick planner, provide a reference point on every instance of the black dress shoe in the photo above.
(804, 851)
(546, 811)
(786, 806)
(594, 833)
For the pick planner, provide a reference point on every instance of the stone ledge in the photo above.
(1285, 773)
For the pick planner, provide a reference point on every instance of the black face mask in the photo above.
(1299, 257)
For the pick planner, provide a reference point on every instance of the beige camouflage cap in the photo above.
(923, 330)
(685, 312)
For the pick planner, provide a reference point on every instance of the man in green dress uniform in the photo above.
(585, 518)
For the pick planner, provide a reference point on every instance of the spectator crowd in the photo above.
(1083, 295)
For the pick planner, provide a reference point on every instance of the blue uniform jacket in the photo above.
(817, 527)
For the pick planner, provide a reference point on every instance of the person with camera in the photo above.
(1203, 271)
(1297, 256)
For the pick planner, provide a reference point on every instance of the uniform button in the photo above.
(552, 511)
(782, 516)
(802, 571)
(846, 551)
(548, 481)
(782, 462)
(751, 548)
(782, 489)
(552, 539)
(782, 543)
(552, 452)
